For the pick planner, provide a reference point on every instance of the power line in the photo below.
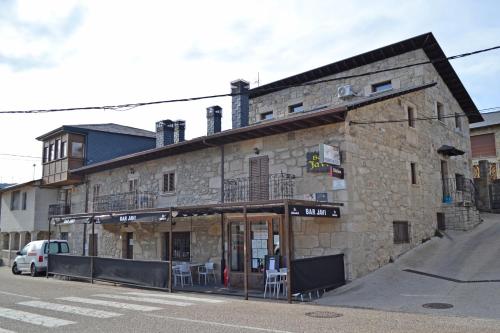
(125, 107)
(26, 156)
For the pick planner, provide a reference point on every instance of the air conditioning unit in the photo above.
(345, 91)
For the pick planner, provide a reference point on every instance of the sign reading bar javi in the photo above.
(313, 211)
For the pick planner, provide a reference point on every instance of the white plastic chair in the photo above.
(283, 282)
(183, 272)
(206, 271)
(272, 281)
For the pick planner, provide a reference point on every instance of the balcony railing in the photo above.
(124, 201)
(59, 209)
(459, 190)
(268, 187)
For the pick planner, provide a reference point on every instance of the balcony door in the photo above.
(259, 178)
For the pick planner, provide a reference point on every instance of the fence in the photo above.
(124, 201)
(152, 274)
(316, 273)
(459, 190)
(266, 187)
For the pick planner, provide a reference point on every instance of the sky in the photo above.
(69, 53)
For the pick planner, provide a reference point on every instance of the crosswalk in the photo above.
(99, 306)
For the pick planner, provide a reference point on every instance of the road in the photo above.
(41, 305)
(461, 269)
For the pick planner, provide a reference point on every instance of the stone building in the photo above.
(392, 183)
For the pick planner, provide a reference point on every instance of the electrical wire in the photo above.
(125, 107)
(25, 156)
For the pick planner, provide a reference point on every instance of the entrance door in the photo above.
(444, 177)
(441, 225)
(181, 246)
(259, 178)
(129, 253)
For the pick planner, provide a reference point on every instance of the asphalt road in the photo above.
(461, 269)
(41, 305)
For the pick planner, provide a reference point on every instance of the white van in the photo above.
(33, 257)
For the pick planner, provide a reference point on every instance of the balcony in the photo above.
(124, 201)
(268, 187)
(460, 191)
(59, 209)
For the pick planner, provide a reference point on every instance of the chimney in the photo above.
(214, 116)
(240, 105)
(179, 130)
(164, 133)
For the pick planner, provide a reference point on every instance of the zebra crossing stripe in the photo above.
(145, 300)
(6, 331)
(111, 304)
(33, 318)
(180, 297)
(70, 309)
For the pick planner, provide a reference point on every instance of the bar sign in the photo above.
(313, 211)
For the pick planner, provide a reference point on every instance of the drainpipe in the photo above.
(86, 211)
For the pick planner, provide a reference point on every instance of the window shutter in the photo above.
(259, 178)
(483, 145)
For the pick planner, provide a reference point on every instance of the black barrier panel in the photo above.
(315, 273)
(63, 264)
(141, 273)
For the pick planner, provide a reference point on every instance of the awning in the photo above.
(71, 220)
(132, 218)
(450, 151)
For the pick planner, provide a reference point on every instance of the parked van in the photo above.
(33, 257)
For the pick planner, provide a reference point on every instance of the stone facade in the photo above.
(376, 158)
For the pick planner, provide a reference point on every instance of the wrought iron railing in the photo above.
(124, 201)
(459, 190)
(59, 209)
(268, 187)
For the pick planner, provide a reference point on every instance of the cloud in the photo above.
(29, 44)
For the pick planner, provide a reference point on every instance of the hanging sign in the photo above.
(313, 211)
(329, 154)
(313, 163)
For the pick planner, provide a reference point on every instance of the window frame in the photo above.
(263, 115)
(440, 112)
(24, 200)
(413, 173)
(458, 121)
(169, 182)
(401, 232)
(292, 108)
(63, 152)
(15, 200)
(378, 87)
(410, 111)
(51, 152)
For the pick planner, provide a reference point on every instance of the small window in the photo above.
(45, 154)
(15, 199)
(411, 116)
(57, 148)
(25, 199)
(296, 108)
(460, 181)
(63, 236)
(440, 111)
(77, 149)
(382, 86)
(266, 115)
(64, 150)
(401, 232)
(51, 152)
(413, 171)
(458, 122)
(132, 185)
(169, 182)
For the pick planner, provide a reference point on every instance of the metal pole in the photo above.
(170, 261)
(48, 252)
(93, 253)
(288, 226)
(245, 252)
(223, 257)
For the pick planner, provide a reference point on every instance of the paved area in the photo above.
(462, 269)
(48, 305)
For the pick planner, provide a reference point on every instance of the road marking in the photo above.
(18, 295)
(181, 297)
(6, 331)
(144, 299)
(71, 309)
(214, 323)
(33, 318)
(111, 304)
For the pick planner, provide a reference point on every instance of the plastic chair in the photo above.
(272, 281)
(183, 272)
(283, 281)
(206, 270)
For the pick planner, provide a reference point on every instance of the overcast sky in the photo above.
(69, 53)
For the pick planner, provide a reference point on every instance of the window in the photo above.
(64, 150)
(483, 145)
(266, 115)
(401, 232)
(77, 149)
(132, 185)
(413, 171)
(458, 122)
(96, 191)
(51, 152)
(411, 116)
(25, 198)
(296, 108)
(440, 111)
(382, 86)
(15, 199)
(460, 181)
(237, 255)
(181, 246)
(57, 149)
(63, 236)
(45, 154)
(169, 182)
